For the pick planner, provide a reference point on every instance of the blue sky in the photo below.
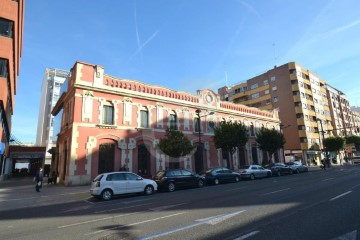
(186, 45)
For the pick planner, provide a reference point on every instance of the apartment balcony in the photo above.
(313, 123)
(310, 102)
(298, 110)
(326, 108)
(302, 133)
(239, 95)
(293, 76)
(313, 135)
(297, 98)
(309, 92)
(300, 121)
(306, 81)
(295, 87)
(292, 65)
(323, 90)
(328, 118)
(304, 146)
(312, 113)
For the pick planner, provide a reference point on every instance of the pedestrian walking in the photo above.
(39, 179)
(323, 166)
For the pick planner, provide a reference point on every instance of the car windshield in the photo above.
(98, 178)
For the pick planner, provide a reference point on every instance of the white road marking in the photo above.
(109, 210)
(348, 236)
(327, 179)
(133, 224)
(97, 220)
(166, 207)
(219, 218)
(341, 195)
(210, 220)
(275, 191)
(247, 235)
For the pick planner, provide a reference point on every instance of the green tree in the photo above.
(333, 144)
(175, 145)
(230, 135)
(270, 141)
(355, 140)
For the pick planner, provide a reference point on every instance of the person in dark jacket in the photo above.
(39, 179)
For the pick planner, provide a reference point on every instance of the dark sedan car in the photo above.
(177, 178)
(220, 175)
(279, 169)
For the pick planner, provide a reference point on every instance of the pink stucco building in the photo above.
(109, 122)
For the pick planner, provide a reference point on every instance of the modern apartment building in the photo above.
(302, 101)
(109, 122)
(11, 41)
(50, 92)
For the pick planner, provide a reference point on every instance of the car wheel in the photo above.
(148, 190)
(297, 170)
(200, 184)
(278, 173)
(171, 187)
(106, 194)
(252, 176)
(237, 179)
(268, 174)
(216, 181)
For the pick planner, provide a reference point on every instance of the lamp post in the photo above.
(282, 127)
(198, 111)
(200, 166)
(323, 137)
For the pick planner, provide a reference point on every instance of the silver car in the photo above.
(106, 185)
(254, 171)
(297, 167)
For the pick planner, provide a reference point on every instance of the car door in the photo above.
(188, 178)
(118, 182)
(254, 170)
(262, 172)
(178, 178)
(134, 183)
(227, 174)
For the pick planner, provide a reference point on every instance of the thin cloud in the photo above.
(136, 27)
(251, 9)
(144, 44)
(346, 27)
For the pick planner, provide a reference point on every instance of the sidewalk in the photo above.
(17, 193)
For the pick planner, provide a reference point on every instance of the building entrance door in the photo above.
(106, 158)
(143, 159)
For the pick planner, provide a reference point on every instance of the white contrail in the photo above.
(136, 27)
(144, 44)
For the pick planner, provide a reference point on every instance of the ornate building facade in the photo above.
(108, 123)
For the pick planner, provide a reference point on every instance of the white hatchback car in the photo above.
(106, 185)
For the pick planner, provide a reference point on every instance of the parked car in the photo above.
(178, 178)
(106, 185)
(279, 169)
(297, 167)
(220, 175)
(254, 171)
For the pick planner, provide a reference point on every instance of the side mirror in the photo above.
(139, 178)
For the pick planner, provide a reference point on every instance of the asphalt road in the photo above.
(314, 205)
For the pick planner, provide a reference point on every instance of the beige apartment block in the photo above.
(302, 99)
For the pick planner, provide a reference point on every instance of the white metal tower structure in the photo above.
(50, 93)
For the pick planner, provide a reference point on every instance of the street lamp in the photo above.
(323, 137)
(282, 127)
(198, 111)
